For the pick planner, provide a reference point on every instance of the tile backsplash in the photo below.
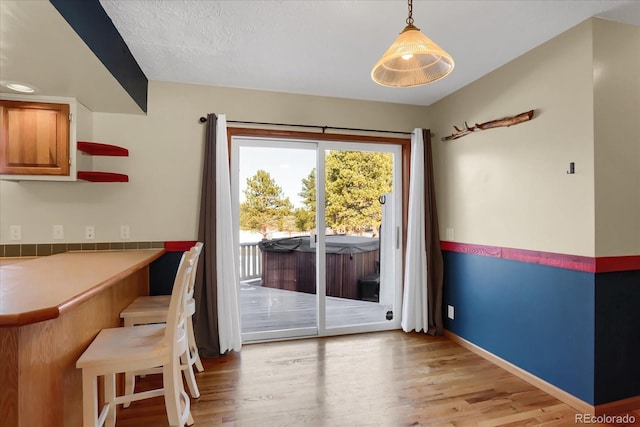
(44, 249)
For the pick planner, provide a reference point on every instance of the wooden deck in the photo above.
(377, 379)
(268, 309)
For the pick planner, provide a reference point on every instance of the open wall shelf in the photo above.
(99, 149)
(102, 176)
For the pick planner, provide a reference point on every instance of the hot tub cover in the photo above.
(334, 244)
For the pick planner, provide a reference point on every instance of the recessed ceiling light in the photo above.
(19, 87)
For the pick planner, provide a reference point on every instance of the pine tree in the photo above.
(355, 180)
(265, 207)
(306, 216)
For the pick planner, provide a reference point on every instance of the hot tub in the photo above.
(290, 263)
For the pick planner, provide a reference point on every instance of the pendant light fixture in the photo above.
(412, 60)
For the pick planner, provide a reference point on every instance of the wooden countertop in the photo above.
(42, 288)
(14, 260)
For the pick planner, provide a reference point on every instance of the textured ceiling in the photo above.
(311, 47)
(329, 47)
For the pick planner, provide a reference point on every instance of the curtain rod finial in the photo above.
(203, 119)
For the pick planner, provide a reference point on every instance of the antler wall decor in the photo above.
(506, 121)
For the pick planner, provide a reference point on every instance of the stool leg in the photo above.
(89, 399)
(172, 381)
(109, 398)
(187, 407)
(187, 368)
(129, 377)
(129, 386)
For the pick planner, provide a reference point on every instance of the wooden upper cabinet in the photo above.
(34, 138)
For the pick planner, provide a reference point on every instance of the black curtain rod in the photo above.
(324, 128)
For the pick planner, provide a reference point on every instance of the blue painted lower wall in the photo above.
(577, 330)
(540, 318)
(162, 273)
(617, 336)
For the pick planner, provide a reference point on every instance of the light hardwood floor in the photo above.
(377, 379)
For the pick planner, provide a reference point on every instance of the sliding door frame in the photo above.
(325, 140)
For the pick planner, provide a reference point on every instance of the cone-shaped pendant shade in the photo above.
(412, 60)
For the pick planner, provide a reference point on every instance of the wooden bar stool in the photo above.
(139, 349)
(154, 309)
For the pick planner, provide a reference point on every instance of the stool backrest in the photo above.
(175, 331)
(198, 250)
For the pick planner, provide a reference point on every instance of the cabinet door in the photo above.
(34, 138)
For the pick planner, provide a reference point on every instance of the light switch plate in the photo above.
(450, 312)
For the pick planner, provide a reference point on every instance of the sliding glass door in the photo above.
(362, 204)
(319, 236)
(273, 181)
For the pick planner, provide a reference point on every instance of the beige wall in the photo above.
(617, 138)
(164, 165)
(505, 187)
(509, 186)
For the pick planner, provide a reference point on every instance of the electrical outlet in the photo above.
(125, 232)
(450, 235)
(89, 232)
(15, 232)
(58, 232)
(450, 313)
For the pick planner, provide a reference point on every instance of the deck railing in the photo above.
(250, 261)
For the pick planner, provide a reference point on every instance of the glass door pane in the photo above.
(275, 192)
(361, 207)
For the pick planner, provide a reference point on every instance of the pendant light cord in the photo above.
(410, 17)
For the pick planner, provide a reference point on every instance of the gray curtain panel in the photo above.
(206, 287)
(435, 265)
